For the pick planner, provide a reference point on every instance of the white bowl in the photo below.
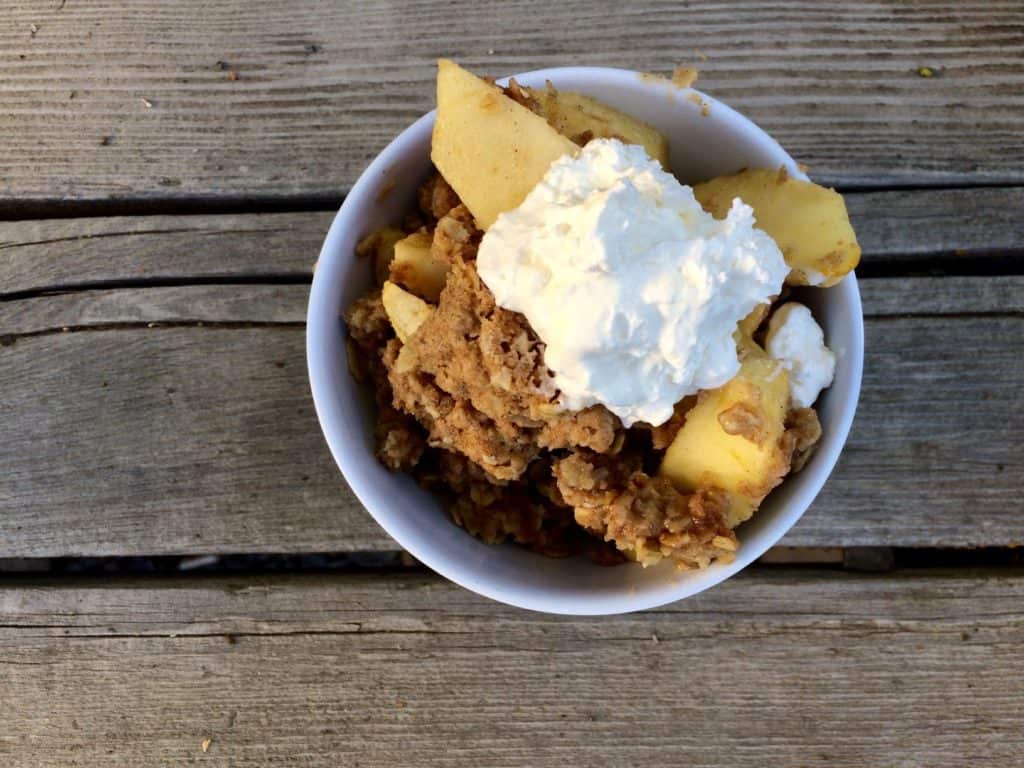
(701, 146)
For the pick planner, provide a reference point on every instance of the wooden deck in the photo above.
(167, 174)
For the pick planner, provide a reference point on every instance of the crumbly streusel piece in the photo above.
(496, 511)
(595, 428)
(436, 197)
(473, 374)
(646, 517)
(804, 431)
(452, 422)
(591, 480)
(456, 236)
(368, 331)
(399, 439)
(368, 324)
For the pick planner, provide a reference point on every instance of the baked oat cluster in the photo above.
(466, 403)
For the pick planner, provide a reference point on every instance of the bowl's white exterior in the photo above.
(701, 147)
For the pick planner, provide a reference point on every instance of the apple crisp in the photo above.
(466, 403)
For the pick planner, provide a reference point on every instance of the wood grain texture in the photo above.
(774, 667)
(192, 304)
(55, 254)
(938, 296)
(168, 439)
(136, 440)
(910, 227)
(916, 226)
(276, 305)
(142, 100)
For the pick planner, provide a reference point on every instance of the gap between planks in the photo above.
(395, 560)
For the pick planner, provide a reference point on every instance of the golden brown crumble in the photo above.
(589, 480)
(804, 431)
(369, 330)
(400, 440)
(648, 518)
(478, 383)
(595, 428)
(368, 324)
(468, 405)
(496, 511)
(453, 423)
(745, 420)
(436, 197)
(684, 77)
(456, 236)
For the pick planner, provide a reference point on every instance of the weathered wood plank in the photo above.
(244, 303)
(921, 224)
(286, 304)
(913, 227)
(934, 430)
(996, 295)
(140, 440)
(50, 254)
(775, 667)
(145, 100)
(168, 439)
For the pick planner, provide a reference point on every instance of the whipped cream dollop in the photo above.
(795, 339)
(634, 289)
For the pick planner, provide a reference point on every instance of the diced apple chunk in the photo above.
(808, 222)
(746, 329)
(489, 148)
(732, 438)
(405, 311)
(417, 269)
(582, 118)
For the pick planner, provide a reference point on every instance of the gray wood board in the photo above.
(53, 254)
(197, 100)
(256, 304)
(129, 439)
(774, 667)
(912, 227)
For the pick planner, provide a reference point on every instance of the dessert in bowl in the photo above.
(556, 356)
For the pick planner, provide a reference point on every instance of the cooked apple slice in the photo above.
(808, 222)
(490, 149)
(732, 438)
(582, 118)
(405, 311)
(745, 330)
(417, 269)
